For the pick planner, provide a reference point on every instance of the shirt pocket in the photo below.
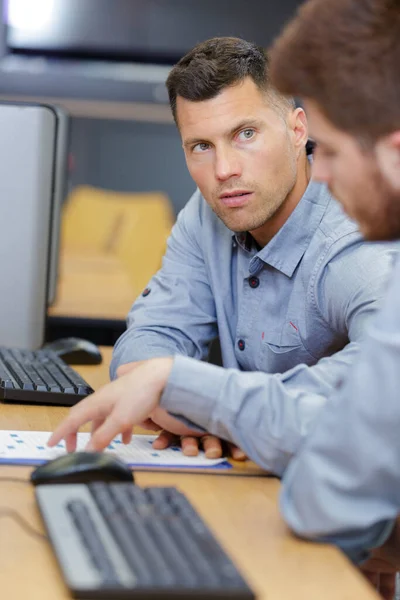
(282, 350)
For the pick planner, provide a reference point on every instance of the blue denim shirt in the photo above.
(344, 486)
(295, 311)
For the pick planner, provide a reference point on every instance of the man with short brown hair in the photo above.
(262, 256)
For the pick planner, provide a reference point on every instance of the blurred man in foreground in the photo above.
(342, 58)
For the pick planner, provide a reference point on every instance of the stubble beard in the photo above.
(383, 223)
(260, 210)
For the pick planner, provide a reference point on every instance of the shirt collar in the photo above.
(245, 240)
(287, 247)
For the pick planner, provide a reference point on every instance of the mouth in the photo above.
(235, 198)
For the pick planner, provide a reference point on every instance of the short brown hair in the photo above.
(215, 64)
(344, 55)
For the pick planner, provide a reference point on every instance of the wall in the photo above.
(130, 156)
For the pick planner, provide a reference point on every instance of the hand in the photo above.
(163, 421)
(168, 438)
(118, 406)
(212, 445)
(380, 569)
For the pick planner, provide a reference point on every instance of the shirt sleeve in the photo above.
(176, 314)
(270, 415)
(344, 485)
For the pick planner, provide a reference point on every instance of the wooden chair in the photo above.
(132, 226)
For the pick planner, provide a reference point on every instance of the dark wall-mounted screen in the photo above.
(149, 30)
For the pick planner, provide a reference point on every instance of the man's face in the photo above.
(354, 177)
(241, 153)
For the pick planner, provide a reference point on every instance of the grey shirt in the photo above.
(295, 311)
(344, 486)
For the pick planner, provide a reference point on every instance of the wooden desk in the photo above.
(242, 512)
(93, 287)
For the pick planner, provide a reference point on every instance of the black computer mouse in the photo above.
(82, 467)
(76, 351)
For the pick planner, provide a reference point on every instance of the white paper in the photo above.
(30, 448)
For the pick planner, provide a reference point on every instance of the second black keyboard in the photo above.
(39, 376)
(119, 541)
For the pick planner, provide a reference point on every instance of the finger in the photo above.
(106, 433)
(165, 440)
(190, 445)
(70, 442)
(69, 427)
(236, 452)
(387, 585)
(127, 436)
(212, 446)
(96, 423)
(96, 406)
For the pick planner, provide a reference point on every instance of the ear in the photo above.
(388, 156)
(299, 127)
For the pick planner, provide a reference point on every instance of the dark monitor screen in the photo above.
(149, 30)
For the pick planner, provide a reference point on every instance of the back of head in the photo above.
(344, 55)
(217, 63)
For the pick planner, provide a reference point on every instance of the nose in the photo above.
(320, 168)
(227, 164)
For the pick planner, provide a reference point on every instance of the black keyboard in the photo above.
(117, 540)
(39, 376)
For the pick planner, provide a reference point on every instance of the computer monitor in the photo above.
(31, 146)
(59, 196)
(159, 31)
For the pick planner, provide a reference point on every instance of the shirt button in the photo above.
(146, 292)
(241, 345)
(254, 282)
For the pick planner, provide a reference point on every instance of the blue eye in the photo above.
(246, 134)
(202, 147)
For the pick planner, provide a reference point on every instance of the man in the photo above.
(289, 293)
(342, 57)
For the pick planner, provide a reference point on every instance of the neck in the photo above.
(265, 233)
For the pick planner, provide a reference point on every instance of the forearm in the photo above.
(253, 410)
(268, 416)
(134, 346)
